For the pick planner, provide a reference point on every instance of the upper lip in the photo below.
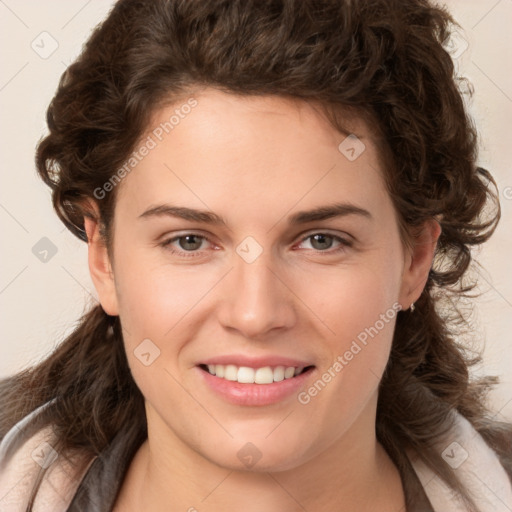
(256, 362)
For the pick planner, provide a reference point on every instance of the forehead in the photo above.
(220, 113)
(269, 149)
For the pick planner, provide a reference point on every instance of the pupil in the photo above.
(322, 241)
(187, 244)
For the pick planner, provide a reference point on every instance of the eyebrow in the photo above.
(303, 217)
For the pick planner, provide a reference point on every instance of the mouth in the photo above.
(264, 375)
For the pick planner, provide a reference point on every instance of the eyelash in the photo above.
(193, 254)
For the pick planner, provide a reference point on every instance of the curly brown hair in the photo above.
(381, 60)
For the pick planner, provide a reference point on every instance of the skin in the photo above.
(255, 161)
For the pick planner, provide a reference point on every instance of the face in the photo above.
(260, 285)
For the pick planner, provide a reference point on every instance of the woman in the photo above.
(279, 200)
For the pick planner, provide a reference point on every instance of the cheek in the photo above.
(355, 308)
(349, 298)
(156, 304)
(154, 297)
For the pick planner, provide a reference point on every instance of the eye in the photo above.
(187, 243)
(322, 242)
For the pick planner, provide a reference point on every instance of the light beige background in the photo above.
(41, 301)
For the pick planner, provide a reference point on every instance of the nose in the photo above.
(256, 299)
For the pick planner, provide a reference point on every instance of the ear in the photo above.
(418, 262)
(100, 266)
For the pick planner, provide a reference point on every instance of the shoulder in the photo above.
(28, 459)
(476, 464)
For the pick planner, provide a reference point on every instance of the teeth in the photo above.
(261, 375)
(289, 372)
(246, 375)
(278, 373)
(231, 372)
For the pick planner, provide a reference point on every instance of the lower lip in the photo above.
(255, 394)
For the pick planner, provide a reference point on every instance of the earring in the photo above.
(412, 307)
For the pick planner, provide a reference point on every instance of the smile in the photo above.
(247, 386)
(247, 375)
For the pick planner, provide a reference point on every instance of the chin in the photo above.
(259, 457)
